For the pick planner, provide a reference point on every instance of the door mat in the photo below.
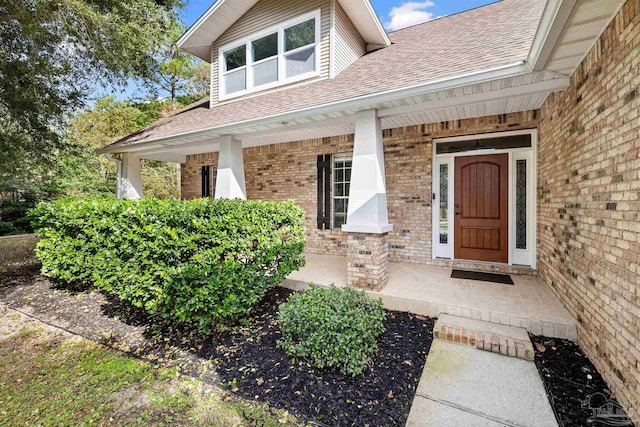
(504, 279)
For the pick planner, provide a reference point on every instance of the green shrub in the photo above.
(205, 261)
(13, 212)
(331, 327)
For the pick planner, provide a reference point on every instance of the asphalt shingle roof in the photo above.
(497, 34)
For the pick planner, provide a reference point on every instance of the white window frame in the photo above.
(443, 250)
(524, 257)
(340, 157)
(282, 78)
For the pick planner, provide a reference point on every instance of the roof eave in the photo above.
(198, 39)
(451, 82)
(554, 17)
(568, 30)
(366, 20)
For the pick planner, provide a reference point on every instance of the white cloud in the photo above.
(409, 13)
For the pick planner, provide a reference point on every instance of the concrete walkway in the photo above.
(430, 291)
(463, 386)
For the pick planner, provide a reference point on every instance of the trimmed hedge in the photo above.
(332, 327)
(202, 261)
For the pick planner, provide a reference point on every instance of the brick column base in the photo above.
(367, 261)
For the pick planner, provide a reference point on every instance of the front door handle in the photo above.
(458, 213)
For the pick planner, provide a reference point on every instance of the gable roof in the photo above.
(499, 34)
(223, 14)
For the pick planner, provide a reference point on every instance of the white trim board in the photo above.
(280, 57)
(342, 107)
(516, 257)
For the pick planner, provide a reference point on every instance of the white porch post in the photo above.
(230, 183)
(367, 217)
(367, 211)
(129, 182)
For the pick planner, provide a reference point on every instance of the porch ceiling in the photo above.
(501, 96)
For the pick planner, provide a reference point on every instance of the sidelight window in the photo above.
(444, 204)
(521, 204)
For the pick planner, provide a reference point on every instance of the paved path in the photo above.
(463, 386)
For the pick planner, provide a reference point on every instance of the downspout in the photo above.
(118, 163)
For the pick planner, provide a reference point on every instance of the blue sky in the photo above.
(394, 14)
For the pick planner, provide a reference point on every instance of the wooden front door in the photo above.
(481, 208)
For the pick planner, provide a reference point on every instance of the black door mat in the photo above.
(504, 279)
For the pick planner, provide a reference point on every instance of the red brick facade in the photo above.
(588, 195)
(589, 203)
(288, 171)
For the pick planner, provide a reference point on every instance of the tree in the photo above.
(52, 53)
(88, 174)
(175, 66)
(177, 72)
(200, 81)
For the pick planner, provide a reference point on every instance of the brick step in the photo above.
(502, 339)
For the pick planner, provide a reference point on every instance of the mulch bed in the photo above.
(250, 364)
(570, 380)
(245, 358)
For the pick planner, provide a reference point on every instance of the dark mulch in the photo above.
(250, 363)
(573, 384)
(245, 358)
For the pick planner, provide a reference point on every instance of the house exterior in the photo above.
(505, 138)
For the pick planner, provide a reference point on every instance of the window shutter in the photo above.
(324, 192)
(205, 173)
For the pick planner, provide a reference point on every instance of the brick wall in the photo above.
(288, 171)
(589, 203)
(367, 261)
(191, 179)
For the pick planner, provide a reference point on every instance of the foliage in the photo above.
(52, 53)
(13, 213)
(91, 175)
(200, 81)
(332, 327)
(80, 172)
(203, 261)
(177, 72)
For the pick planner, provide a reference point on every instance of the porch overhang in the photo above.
(502, 90)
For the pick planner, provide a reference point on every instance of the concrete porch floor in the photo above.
(429, 291)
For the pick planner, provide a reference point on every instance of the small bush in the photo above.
(201, 261)
(331, 327)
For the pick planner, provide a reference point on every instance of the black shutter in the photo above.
(206, 181)
(324, 192)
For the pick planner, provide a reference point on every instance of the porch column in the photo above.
(129, 182)
(367, 218)
(230, 182)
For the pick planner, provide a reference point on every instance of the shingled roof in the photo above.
(490, 36)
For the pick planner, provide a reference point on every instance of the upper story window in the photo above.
(279, 55)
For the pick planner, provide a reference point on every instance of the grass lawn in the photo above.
(51, 378)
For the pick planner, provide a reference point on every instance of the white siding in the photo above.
(265, 14)
(349, 45)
